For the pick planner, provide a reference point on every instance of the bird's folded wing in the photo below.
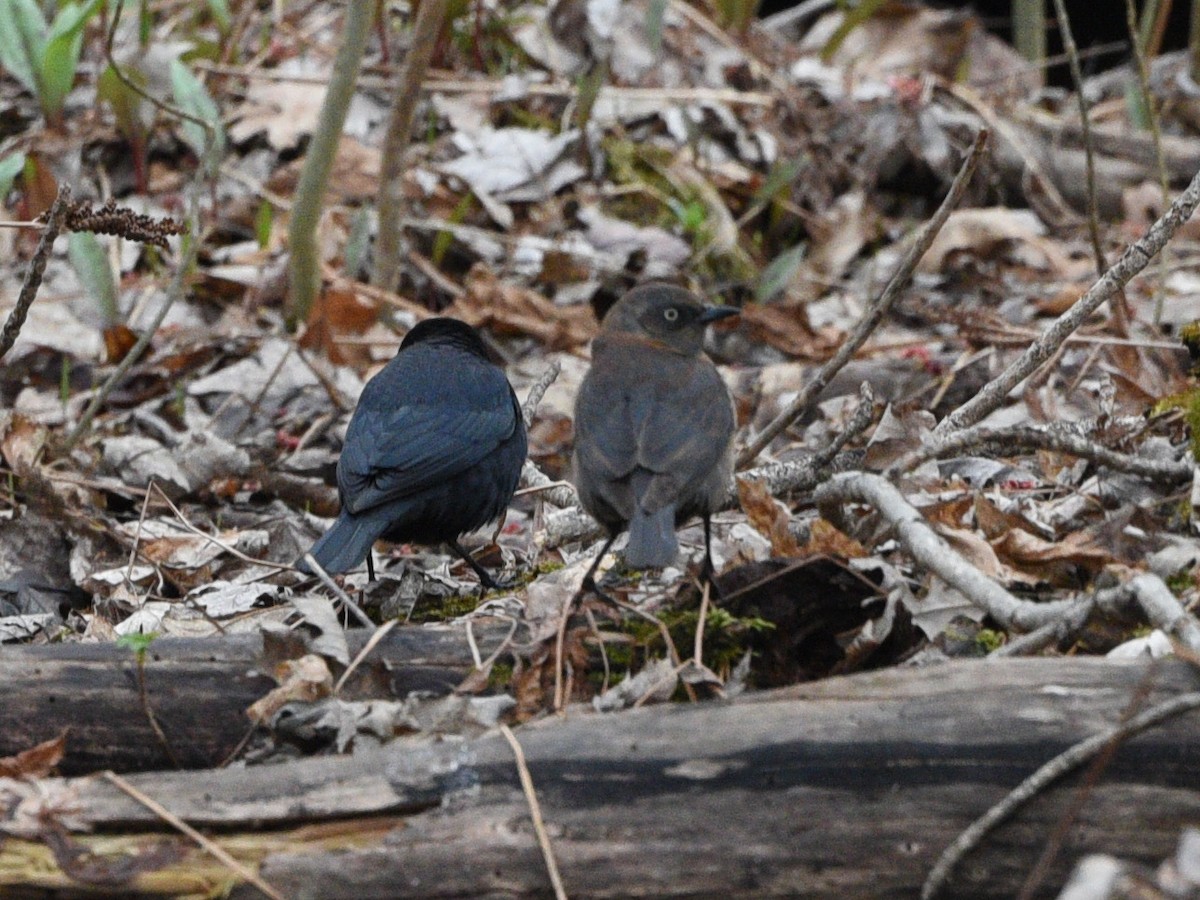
(402, 451)
(682, 435)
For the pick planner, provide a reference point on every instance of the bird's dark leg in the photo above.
(370, 566)
(589, 580)
(484, 577)
(707, 570)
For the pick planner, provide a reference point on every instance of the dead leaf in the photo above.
(1057, 562)
(300, 680)
(768, 516)
(824, 539)
(988, 232)
(511, 309)
(337, 313)
(285, 110)
(786, 328)
(36, 762)
(22, 443)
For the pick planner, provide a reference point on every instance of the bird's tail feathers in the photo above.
(347, 543)
(652, 541)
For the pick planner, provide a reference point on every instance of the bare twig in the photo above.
(1132, 261)
(535, 813)
(1089, 149)
(616, 94)
(1057, 438)
(1143, 79)
(1052, 633)
(37, 268)
(698, 647)
(537, 391)
(216, 542)
(1148, 594)
(559, 493)
(373, 642)
(1059, 766)
(209, 132)
(875, 312)
(174, 291)
(315, 566)
(183, 827)
(406, 92)
(932, 552)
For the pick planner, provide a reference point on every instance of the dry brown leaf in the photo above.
(978, 552)
(301, 680)
(899, 38)
(987, 232)
(118, 341)
(768, 516)
(952, 513)
(994, 522)
(36, 762)
(22, 442)
(336, 313)
(512, 309)
(1055, 562)
(824, 539)
(787, 329)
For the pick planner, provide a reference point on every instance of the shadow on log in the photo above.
(198, 689)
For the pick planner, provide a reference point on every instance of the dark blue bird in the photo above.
(434, 449)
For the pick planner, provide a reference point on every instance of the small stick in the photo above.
(875, 312)
(363, 618)
(535, 813)
(538, 389)
(1060, 765)
(1135, 258)
(179, 825)
(37, 268)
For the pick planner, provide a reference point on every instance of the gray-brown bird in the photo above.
(654, 425)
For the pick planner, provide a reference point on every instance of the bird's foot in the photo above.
(589, 586)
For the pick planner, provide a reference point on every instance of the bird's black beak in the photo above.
(714, 313)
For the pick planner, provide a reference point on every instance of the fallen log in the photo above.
(848, 787)
(198, 690)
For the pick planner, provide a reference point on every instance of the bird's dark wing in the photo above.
(663, 413)
(605, 437)
(683, 430)
(420, 423)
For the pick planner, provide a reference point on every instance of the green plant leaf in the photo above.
(656, 11)
(220, 14)
(193, 98)
(853, 18)
(262, 223)
(22, 40)
(778, 273)
(358, 242)
(133, 113)
(138, 643)
(60, 57)
(90, 263)
(781, 175)
(10, 168)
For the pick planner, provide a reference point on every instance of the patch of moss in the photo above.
(989, 639)
(500, 677)
(443, 609)
(1188, 402)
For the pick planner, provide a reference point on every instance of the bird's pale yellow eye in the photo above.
(670, 314)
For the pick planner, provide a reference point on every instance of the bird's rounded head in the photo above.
(664, 314)
(442, 329)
